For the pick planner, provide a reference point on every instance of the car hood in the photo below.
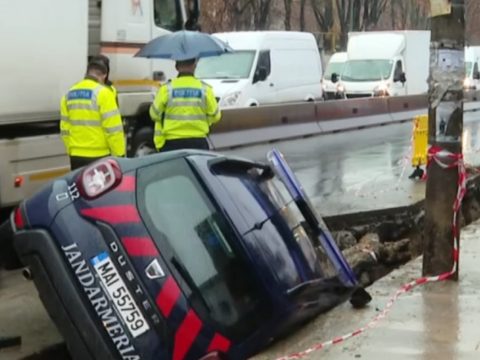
(222, 87)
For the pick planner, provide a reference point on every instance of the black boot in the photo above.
(417, 173)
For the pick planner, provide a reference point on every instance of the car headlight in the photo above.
(230, 99)
(381, 90)
(340, 88)
(468, 84)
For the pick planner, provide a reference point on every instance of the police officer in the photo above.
(108, 83)
(183, 111)
(91, 125)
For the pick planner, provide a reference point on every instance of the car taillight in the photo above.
(18, 219)
(99, 178)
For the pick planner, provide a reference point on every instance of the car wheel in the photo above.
(142, 143)
(8, 256)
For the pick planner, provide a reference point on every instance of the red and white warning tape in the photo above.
(445, 160)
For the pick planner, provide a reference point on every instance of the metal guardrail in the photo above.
(246, 126)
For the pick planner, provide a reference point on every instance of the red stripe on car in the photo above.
(139, 246)
(168, 296)
(186, 335)
(127, 184)
(219, 343)
(113, 214)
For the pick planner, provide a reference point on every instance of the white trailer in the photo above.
(45, 48)
(386, 63)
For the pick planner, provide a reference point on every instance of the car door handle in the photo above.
(272, 84)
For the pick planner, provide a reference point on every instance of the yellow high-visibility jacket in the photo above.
(183, 108)
(91, 124)
(115, 92)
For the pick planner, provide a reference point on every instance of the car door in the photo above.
(399, 86)
(263, 86)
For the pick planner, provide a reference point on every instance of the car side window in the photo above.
(398, 69)
(167, 14)
(476, 74)
(263, 66)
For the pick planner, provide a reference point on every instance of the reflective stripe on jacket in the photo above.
(183, 108)
(91, 124)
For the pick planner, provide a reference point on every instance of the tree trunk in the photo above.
(302, 15)
(288, 14)
(261, 9)
(445, 98)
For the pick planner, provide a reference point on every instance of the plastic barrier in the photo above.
(420, 140)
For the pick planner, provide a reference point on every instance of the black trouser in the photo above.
(191, 143)
(77, 162)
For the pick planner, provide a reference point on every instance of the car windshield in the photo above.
(279, 216)
(468, 68)
(197, 241)
(288, 209)
(367, 70)
(235, 65)
(335, 67)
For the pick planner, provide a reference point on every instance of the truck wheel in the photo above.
(142, 143)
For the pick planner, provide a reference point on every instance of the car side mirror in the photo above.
(334, 78)
(400, 77)
(261, 74)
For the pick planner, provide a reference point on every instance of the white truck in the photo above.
(45, 48)
(386, 63)
(266, 67)
(331, 78)
(472, 68)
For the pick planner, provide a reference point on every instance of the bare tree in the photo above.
(302, 14)
(323, 12)
(288, 14)
(261, 12)
(241, 14)
(367, 13)
(472, 32)
(356, 15)
(215, 15)
(372, 11)
(409, 14)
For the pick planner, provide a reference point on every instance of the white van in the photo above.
(266, 67)
(330, 86)
(472, 68)
(386, 63)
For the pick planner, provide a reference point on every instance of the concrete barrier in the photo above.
(247, 126)
(351, 114)
(252, 125)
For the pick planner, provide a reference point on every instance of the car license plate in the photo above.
(120, 295)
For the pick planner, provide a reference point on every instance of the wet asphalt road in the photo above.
(360, 170)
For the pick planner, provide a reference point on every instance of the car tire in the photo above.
(142, 143)
(8, 256)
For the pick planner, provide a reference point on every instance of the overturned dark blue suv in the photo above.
(183, 255)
